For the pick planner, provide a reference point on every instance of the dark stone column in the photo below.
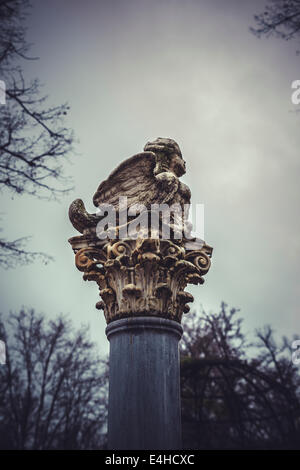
(142, 279)
(144, 384)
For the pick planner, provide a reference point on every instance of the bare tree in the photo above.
(33, 138)
(280, 18)
(231, 399)
(53, 388)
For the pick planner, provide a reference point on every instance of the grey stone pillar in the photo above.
(144, 384)
(142, 278)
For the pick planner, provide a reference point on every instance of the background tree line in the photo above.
(237, 394)
(54, 386)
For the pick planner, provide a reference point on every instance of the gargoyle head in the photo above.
(168, 156)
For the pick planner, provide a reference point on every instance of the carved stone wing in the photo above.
(133, 178)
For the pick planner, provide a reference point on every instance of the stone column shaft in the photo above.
(144, 384)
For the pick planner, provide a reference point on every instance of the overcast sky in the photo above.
(189, 70)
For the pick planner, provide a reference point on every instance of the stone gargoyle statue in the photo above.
(150, 177)
(146, 275)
